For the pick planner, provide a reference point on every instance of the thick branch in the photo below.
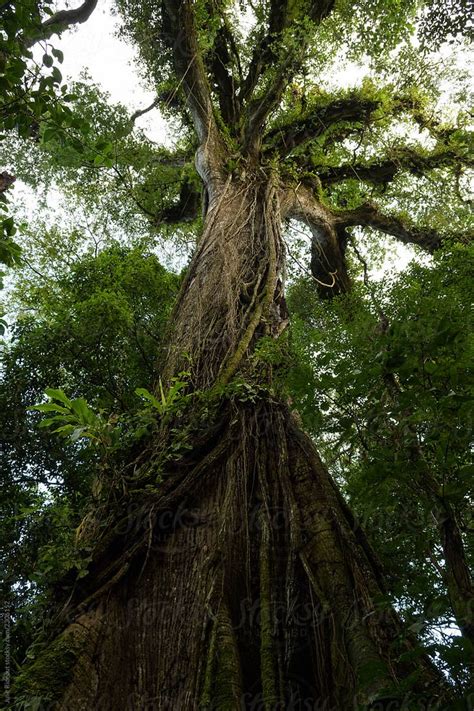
(328, 243)
(384, 171)
(283, 16)
(221, 68)
(261, 107)
(264, 52)
(61, 20)
(369, 215)
(192, 75)
(286, 138)
(224, 64)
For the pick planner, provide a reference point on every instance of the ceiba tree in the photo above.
(242, 580)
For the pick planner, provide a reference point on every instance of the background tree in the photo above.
(227, 507)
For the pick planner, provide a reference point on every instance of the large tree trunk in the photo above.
(242, 583)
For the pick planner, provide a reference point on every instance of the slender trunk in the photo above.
(241, 583)
(457, 577)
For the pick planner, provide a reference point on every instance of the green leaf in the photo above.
(57, 76)
(50, 133)
(49, 407)
(47, 422)
(64, 430)
(58, 395)
(147, 395)
(58, 54)
(83, 411)
(9, 226)
(430, 367)
(77, 434)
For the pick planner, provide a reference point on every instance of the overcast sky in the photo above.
(110, 61)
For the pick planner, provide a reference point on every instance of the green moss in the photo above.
(222, 684)
(48, 676)
(209, 674)
(227, 687)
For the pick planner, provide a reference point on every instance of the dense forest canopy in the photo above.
(236, 450)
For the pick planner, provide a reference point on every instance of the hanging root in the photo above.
(230, 286)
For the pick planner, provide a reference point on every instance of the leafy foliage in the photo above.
(92, 329)
(33, 98)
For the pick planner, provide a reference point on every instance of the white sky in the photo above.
(110, 62)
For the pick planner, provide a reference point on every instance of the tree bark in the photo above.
(241, 581)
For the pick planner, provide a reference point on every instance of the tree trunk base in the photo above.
(252, 589)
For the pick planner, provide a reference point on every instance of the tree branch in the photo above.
(384, 171)
(221, 69)
(282, 17)
(281, 14)
(189, 66)
(142, 112)
(61, 20)
(369, 215)
(328, 243)
(286, 138)
(263, 52)
(224, 64)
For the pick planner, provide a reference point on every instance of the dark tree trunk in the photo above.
(242, 583)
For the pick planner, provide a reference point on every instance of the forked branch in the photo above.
(283, 16)
(264, 48)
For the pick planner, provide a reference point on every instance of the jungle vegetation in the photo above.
(236, 449)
